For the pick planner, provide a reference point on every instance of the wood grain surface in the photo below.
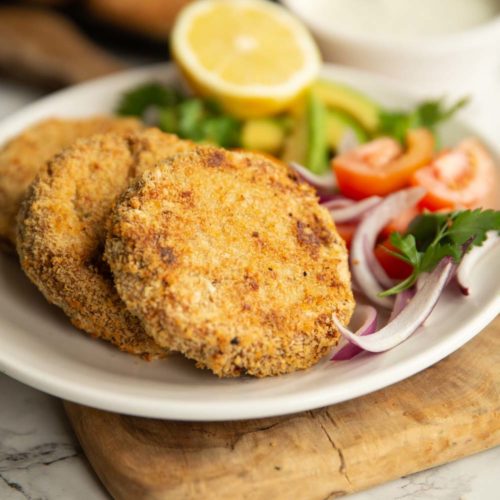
(445, 412)
(46, 49)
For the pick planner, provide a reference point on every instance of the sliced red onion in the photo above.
(471, 258)
(402, 300)
(410, 318)
(367, 315)
(377, 270)
(334, 196)
(354, 211)
(324, 184)
(365, 238)
(355, 287)
(337, 202)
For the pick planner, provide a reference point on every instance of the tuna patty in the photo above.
(228, 258)
(25, 155)
(61, 231)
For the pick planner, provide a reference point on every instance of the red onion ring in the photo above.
(336, 202)
(410, 318)
(402, 300)
(324, 184)
(354, 211)
(365, 238)
(377, 270)
(471, 258)
(368, 315)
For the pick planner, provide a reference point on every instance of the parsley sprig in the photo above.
(195, 118)
(136, 101)
(428, 114)
(432, 236)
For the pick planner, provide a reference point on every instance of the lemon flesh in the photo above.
(251, 55)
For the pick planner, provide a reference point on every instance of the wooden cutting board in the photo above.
(45, 48)
(446, 412)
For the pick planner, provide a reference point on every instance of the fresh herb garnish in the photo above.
(137, 101)
(201, 120)
(427, 115)
(432, 236)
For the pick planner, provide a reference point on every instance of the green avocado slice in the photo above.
(352, 102)
(337, 124)
(317, 144)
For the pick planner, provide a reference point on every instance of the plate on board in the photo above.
(39, 347)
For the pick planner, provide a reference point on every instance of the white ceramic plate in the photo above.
(39, 347)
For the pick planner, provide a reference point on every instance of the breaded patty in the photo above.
(228, 258)
(61, 229)
(23, 157)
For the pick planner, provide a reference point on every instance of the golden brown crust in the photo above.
(228, 258)
(24, 156)
(62, 224)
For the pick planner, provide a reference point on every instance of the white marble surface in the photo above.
(40, 457)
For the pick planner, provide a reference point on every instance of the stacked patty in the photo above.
(61, 230)
(155, 244)
(25, 155)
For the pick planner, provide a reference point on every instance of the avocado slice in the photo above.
(317, 147)
(352, 102)
(337, 124)
(307, 144)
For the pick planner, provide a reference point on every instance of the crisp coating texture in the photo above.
(228, 258)
(61, 231)
(25, 155)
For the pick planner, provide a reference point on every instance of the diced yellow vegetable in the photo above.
(261, 134)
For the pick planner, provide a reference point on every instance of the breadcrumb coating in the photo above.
(61, 230)
(228, 258)
(25, 155)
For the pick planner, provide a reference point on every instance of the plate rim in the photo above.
(187, 411)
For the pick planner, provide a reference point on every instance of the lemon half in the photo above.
(251, 55)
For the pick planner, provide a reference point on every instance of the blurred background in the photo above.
(53, 43)
(445, 47)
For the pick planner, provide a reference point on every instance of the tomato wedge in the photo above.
(382, 166)
(463, 177)
(395, 268)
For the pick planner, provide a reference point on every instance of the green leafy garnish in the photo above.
(137, 101)
(427, 115)
(433, 236)
(191, 113)
(222, 130)
(195, 118)
(202, 120)
(168, 120)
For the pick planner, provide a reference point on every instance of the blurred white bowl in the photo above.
(458, 63)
